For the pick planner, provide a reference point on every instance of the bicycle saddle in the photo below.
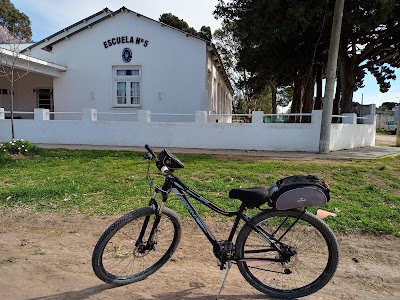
(251, 197)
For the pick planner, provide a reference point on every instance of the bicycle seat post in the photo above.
(224, 281)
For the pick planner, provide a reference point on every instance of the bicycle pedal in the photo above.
(222, 266)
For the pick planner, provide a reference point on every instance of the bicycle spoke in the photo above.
(124, 257)
(263, 269)
(296, 261)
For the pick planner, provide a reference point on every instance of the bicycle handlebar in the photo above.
(150, 151)
(160, 166)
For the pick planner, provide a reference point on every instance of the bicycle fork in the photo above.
(150, 241)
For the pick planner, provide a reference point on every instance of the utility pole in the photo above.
(327, 106)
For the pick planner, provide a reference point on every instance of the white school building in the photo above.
(120, 62)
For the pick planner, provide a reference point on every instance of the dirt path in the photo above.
(385, 140)
(48, 257)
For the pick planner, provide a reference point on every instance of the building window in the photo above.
(127, 85)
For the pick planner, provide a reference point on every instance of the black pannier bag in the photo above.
(166, 158)
(298, 191)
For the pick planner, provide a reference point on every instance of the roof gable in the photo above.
(89, 22)
(70, 29)
(76, 28)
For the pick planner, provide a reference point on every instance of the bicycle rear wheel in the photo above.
(133, 248)
(307, 259)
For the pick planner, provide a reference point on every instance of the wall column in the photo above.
(350, 118)
(89, 114)
(201, 117)
(316, 117)
(41, 114)
(144, 116)
(257, 117)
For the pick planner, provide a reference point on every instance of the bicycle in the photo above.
(283, 251)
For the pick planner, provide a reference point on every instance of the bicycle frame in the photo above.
(174, 184)
(200, 222)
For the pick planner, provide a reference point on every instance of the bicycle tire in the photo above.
(308, 270)
(116, 257)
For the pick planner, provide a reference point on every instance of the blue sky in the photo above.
(372, 95)
(50, 16)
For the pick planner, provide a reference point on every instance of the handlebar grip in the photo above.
(150, 151)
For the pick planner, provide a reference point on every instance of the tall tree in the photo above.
(14, 29)
(177, 23)
(15, 21)
(228, 48)
(205, 33)
(6, 36)
(370, 41)
(285, 41)
(248, 100)
(278, 46)
(12, 68)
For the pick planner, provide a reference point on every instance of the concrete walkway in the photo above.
(357, 153)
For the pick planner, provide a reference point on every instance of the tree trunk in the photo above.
(273, 92)
(347, 79)
(348, 85)
(297, 96)
(308, 97)
(12, 107)
(318, 98)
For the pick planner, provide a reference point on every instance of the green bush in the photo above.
(16, 147)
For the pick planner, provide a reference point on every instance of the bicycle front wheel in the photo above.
(136, 245)
(302, 259)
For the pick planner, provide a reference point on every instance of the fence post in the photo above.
(371, 115)
(257, 117)
(316, 117)
(201, 117)
(372, 109)
(89, 114)
(2, 115)
(351, 118)
(41, 114)
(370, 119)
(144, 116)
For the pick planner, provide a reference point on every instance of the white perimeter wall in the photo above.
(199, 134)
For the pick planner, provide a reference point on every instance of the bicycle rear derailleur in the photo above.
(223, 252)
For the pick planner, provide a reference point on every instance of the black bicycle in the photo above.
(283, 251)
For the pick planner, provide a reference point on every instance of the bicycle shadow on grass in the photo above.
(76, 295)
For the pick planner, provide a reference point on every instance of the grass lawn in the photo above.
(364, 193)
